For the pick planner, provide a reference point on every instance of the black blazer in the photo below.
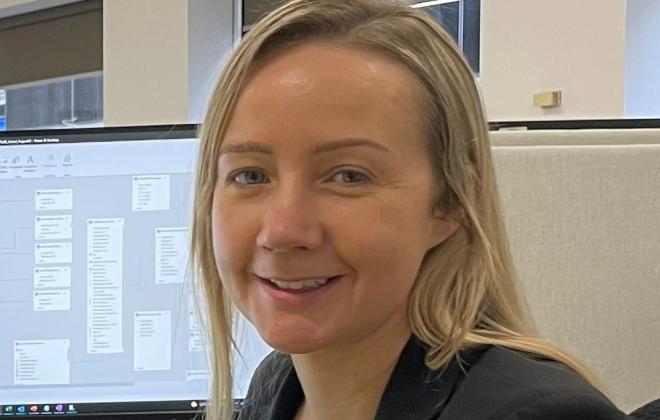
(491, 383)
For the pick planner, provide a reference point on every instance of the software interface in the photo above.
(95, 296)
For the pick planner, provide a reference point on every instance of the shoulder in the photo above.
(265, 384)
(513, 385)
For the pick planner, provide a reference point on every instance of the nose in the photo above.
(290, 220)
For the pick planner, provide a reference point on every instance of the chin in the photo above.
(292, 340)
(292, 347)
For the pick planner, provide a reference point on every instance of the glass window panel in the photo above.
(447, 15)
(471, 35)
(462, 20)
(51, 104)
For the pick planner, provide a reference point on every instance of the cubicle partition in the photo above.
(582, 209)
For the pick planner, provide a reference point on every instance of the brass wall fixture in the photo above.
(548, 99)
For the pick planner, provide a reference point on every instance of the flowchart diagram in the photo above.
(93, 257)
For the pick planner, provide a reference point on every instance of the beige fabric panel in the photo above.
(583, 215)
(574, 137)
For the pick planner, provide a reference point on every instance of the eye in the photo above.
(350, 176)
(247, 177)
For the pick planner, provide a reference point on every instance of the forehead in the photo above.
(326, 86)
(315, 63)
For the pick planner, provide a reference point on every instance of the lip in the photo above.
(296, 296)
(295, 279)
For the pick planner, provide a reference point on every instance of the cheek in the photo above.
(384, 243)
(395, 227)
(219, 235)
(229, 244)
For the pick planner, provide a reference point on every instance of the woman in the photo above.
(347, 206)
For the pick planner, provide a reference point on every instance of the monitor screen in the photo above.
(96, 308)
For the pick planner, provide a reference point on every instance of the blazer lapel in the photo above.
(288, 396)
(415, 392)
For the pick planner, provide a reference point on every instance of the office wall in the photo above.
(167, 52)
(642, 59)
(160, 58)
(533, 46)
(145, 56)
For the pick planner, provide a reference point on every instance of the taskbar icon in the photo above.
(34, 409)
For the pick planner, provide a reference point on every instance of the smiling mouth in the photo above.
(305, 285)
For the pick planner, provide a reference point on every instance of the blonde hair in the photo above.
(465, 294)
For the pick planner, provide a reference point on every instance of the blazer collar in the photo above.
(414, 392)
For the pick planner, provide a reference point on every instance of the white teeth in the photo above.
(298, 285)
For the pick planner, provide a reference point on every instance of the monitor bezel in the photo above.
(100, 134)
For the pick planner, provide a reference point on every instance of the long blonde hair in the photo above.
(465, 294)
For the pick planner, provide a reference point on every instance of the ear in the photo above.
(444, 225)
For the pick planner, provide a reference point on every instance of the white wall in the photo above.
(531, 46)
(160, 58)
(145, 56)
(642, 83)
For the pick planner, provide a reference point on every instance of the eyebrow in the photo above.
(254, 147)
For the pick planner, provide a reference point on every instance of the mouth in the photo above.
(299, 286)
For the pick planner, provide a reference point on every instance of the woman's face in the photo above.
(323, 208)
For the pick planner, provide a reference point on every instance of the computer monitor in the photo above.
(96, 310)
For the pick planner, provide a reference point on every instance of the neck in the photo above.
(348, 382)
